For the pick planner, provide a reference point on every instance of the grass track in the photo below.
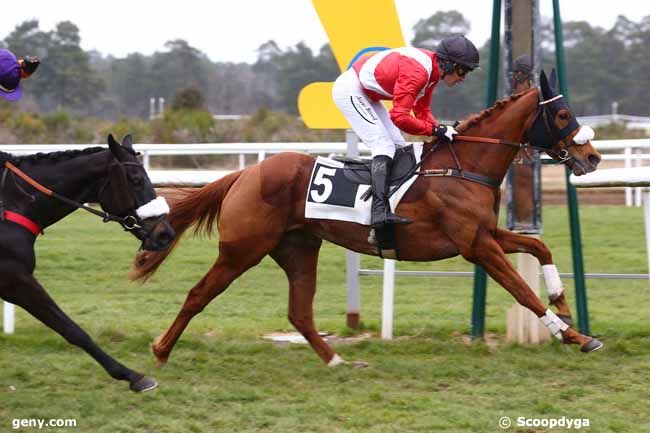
(223, 378)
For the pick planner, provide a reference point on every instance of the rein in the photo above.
(129, 222)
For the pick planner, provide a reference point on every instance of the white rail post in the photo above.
(646, 220)
(628, 164)
(353, 260)
(242, 161)
(637, 163)
(9, 318)
(388, 297)
(146, 162)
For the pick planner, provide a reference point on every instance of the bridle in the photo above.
(542, 134)
(131, 222)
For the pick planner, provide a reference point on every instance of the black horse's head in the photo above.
(556, 130)
(128, 194)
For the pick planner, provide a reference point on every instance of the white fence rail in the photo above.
(631, 155)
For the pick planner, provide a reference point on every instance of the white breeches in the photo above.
(369, 119)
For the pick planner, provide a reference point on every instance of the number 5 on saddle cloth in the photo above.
(339, 190)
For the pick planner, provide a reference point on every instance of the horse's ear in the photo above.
(127, 141)
(547, 92)
(552, 80)
(113, 145)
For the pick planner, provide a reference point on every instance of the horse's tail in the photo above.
(197, 207)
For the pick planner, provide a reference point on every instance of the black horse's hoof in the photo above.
(591, 346)
(143, 384)
(566, 319)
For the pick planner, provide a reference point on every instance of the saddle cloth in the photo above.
(337, 187)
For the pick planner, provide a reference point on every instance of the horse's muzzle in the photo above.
(160, 236)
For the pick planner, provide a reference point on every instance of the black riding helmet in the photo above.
(458, 50)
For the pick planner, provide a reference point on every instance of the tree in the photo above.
(189, 98)
(429, 32)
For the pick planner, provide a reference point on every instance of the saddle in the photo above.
(357, 170)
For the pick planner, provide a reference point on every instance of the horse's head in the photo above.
(556, 130)
(129, 194)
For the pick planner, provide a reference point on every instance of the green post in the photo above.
(572, 195)
(480, 278)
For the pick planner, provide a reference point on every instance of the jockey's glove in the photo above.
(444, 132)
(28, 66)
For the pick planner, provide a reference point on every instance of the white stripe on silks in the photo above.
(554, 324)
(367, 74)
(585, 133)
(336, 360)
(552, 281)
(154, 208)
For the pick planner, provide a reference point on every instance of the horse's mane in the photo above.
(499, 105)
(52, 156)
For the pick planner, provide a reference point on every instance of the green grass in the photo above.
(222, 377)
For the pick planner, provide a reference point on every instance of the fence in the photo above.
(631, 156)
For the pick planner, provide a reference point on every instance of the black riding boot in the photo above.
(381, 214)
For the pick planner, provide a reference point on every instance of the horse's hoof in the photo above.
(161, 356)
(143, 384)
(566, 319)
(591, 345)
(358, 364)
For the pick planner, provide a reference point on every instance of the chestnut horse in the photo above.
(261, 210)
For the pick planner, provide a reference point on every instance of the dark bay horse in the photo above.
(112, 177)
(260, 211)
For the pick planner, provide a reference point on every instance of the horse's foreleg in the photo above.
(491, 257)
(234, 260)
(297, 255)
(512, 242)
(26, 292)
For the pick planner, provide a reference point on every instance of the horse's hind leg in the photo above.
(297, 255)
(512, 242)
(234, 259)
(26, 292)
(488, 254)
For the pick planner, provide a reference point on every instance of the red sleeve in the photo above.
(422, 108)
(412, 78)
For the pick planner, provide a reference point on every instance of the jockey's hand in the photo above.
(28, 66)
(444, 132)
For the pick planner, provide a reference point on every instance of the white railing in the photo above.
(631, 154)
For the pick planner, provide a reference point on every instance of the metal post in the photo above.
(353, 260)
(572, 195)
(480, 278)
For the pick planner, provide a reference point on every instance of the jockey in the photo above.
(12, 70)
(407, 76)
(521, 73)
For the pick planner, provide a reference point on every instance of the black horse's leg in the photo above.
(25, 291)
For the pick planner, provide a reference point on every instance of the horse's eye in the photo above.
(564, 116)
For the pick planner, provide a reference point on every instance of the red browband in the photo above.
(22, 221)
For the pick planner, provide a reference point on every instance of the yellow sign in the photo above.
(351, 26)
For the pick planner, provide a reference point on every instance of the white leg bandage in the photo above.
(552, 281)
(554, 324)
(336, 360)
(154, 208)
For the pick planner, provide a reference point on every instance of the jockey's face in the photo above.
(453, 79)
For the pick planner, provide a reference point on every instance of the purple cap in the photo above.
(9, 76)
